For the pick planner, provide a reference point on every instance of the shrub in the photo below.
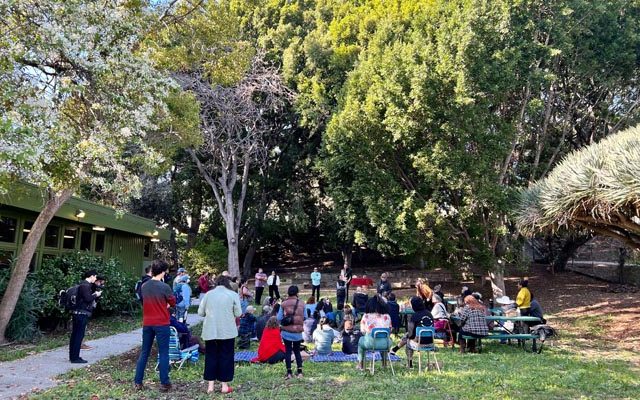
(66, 270)
(23, 324)
(208, 254)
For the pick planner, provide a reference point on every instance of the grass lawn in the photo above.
(566, 370)
(97, 328)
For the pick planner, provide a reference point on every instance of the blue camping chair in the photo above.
(425, 332)
(379, 336)
(178, 357)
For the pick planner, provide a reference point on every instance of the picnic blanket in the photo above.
(336, 356)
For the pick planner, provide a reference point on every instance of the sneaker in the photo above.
(393, 351)
(254, 339)
(165, 388)
(79, 361)
(85, 347)
(289, 376)
(138, 386)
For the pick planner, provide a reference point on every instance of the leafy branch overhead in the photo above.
(595, 189)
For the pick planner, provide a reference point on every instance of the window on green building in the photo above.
(5, 259)
(85, 241)
(52, 236)
(26, 229)
(99, 243)
(69, 238)
(147, 250)
(8, 228)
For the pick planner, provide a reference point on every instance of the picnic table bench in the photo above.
(520, 332)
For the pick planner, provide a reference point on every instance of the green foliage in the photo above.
(209, 254)
(23, 324)
(66, 270)
(597, 187)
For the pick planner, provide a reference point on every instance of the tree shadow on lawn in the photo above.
(501, 371)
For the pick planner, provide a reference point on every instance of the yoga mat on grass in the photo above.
(338, 356)
(244, 356)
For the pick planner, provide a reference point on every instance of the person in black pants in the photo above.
(273, 282)
(80, 316)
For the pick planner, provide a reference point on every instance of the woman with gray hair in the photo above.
(220, 307)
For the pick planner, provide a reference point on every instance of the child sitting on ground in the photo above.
(247, 328)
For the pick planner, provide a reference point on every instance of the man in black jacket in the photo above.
(84, 307)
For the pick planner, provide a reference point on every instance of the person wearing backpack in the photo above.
(80, 314)
(142, 281)
(183, 297)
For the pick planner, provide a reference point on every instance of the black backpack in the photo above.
(138, 287)
(68, 299)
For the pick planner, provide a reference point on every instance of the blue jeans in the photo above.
(161, 334)
(77, 334)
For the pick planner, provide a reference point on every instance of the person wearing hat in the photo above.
(180, 273)
(183, 290)
(523, 300)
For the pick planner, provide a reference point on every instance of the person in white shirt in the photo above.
(273, 282)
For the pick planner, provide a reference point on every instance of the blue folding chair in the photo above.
(426, 332)
(178, 357)
(380, 335)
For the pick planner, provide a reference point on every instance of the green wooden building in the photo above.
(79, 225)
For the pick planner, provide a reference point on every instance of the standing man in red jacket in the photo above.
(158, 297)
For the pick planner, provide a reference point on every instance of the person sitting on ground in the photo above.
(360, 299)
(472, 323)
(309, 327)
(185, 291)
(350, 338)
(424, 291)
(394, 311)
(384, 287)
(376, 316)
(523, 299)
(271, 349)
(536, 311)
(261, 321)
(310, 307)
(247, 328)
(323, 337)
(420, 317)
(341, 292)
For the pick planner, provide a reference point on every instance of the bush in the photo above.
(23, 324)
(66, 270)
(208, 254)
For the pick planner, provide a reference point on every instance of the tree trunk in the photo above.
(173, 246)
(622, 256)
(248, 260)
(21, 267)
(567, 251)
(347, 255)
(233, 260)
(497, 281)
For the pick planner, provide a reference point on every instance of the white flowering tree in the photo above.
(77, 100)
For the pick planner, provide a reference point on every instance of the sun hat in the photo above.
(504, 300)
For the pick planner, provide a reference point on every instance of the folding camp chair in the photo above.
(178, 357)
(423, 332)
(380, 334)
